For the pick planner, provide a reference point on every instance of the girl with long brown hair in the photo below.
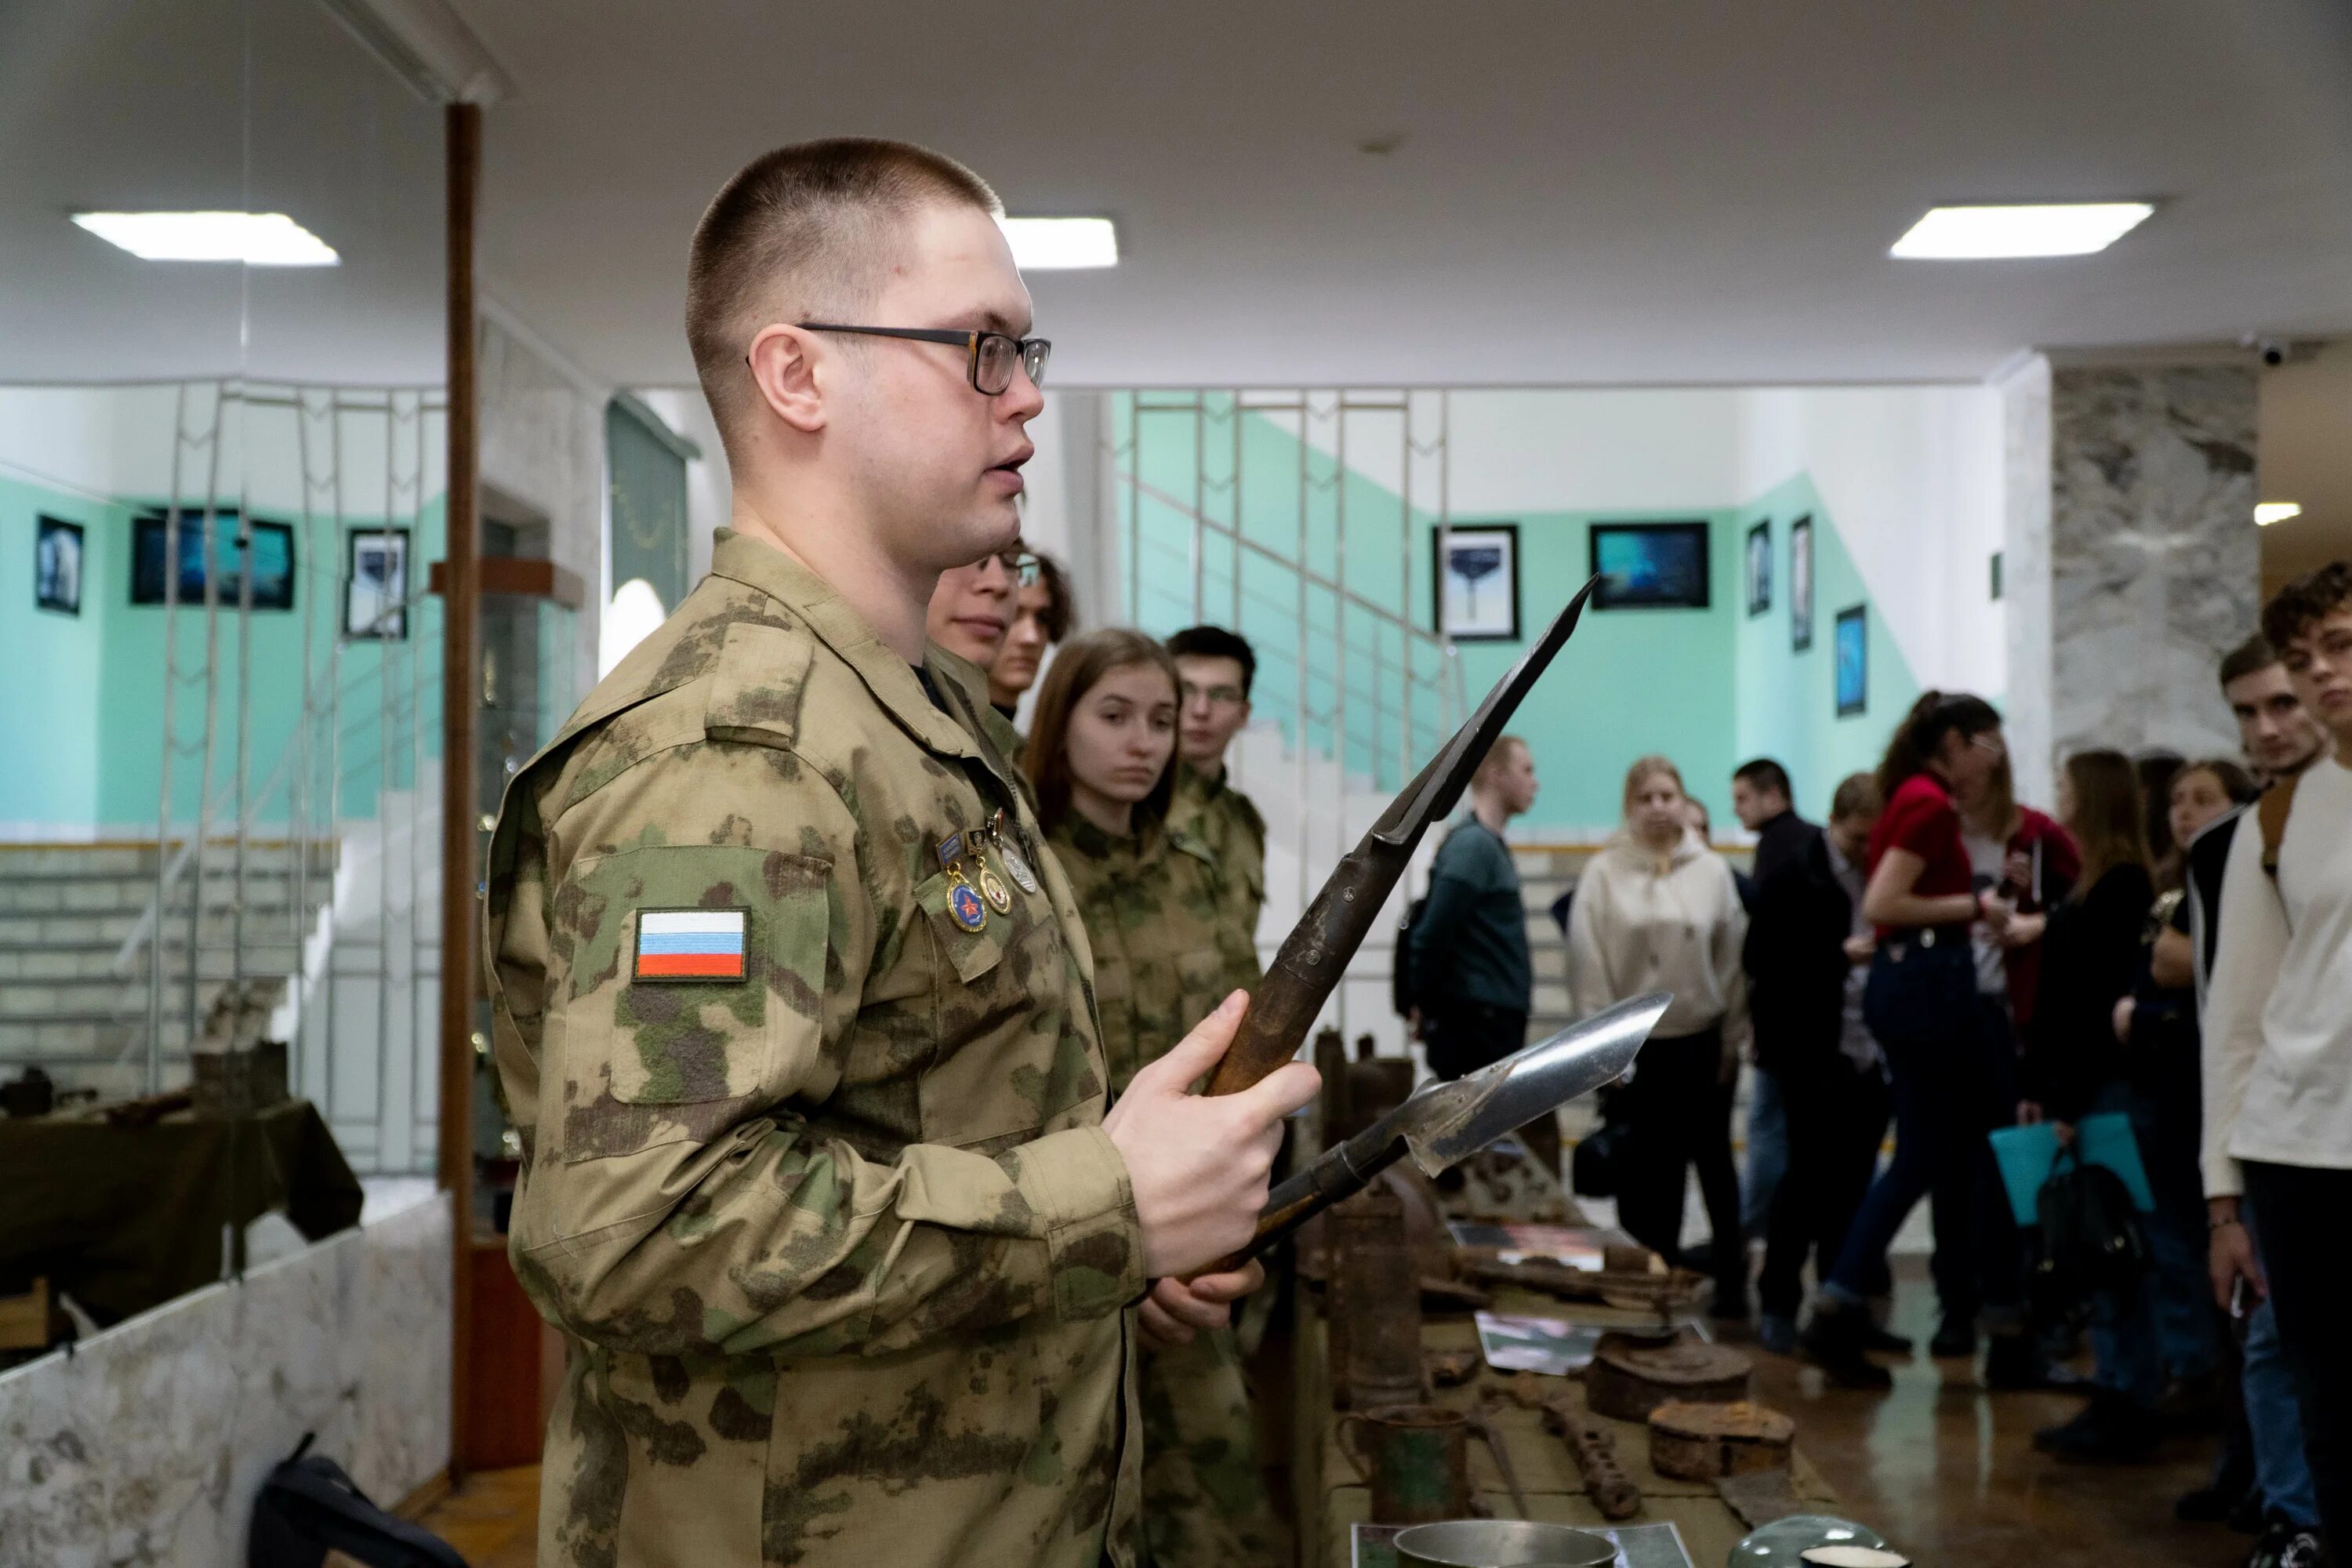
(1101, 755)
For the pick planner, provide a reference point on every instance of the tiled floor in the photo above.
(1946, 1471)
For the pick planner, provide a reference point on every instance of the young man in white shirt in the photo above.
(2278, 1044)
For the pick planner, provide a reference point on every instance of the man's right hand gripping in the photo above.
(1199, 1166)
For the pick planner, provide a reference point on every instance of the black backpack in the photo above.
(308, 1505)
(2090, 1241)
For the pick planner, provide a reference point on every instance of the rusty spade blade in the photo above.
(1444, 1123)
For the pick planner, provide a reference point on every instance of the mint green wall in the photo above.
(1786, 702)
(1629, 683)
(84, 703)
(50, 691)
(1707, 688)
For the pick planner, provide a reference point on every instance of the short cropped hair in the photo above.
(1764, 773)
(2250, 657)
(1498, 757)
(1856, 796)
(1216, 642)
(2294, 609)
(803, 233)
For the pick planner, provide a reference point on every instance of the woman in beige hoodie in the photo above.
(1657, 909)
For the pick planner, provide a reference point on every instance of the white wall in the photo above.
(1913, 478)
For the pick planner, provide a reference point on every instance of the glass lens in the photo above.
(1034, 353)
(993, 369)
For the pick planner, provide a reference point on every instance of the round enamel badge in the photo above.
(992, 888)
(965, 906)
(1015, 863)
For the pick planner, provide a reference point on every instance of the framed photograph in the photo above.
(375, 585)
(1853, 644)
(57, 566)
(1477, 581)
(1759, 568)
(1650, 565)
(273, 561)
(1800, 585)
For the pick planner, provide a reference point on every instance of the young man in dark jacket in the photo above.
(1808, 952)
(1761, 798)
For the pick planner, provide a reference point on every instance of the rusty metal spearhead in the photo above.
(1316, 953)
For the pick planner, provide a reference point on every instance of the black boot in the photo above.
(2014, 1362)
(1834, 1341)
(1954, 1336)
(2111, 1429)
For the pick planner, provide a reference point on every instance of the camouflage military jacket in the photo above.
(1227, 821)
(813, 1171)
(1159, 919)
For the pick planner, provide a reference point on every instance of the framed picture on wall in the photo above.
(1800, 585)
(57, 566)
(1477, 581)
(1853, 644)
(1650, 565)
(376, 586)
(273, 561)
(1759, 568)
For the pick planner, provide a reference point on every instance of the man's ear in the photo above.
(790, 368)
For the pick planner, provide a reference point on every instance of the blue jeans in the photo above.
(1768, 1154)
(2164, 1327)
(2275, 1414)
(1952, 1074)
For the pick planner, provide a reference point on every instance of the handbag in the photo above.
(2090, 1238)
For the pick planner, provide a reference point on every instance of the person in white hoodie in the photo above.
(2278, 1046)
(1657, 909)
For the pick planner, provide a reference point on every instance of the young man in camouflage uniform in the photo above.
(1216, 668)
(790, 1004)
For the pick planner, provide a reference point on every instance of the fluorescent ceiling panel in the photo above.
(2270, 512)
(1986, 233)
(1061, 244)
(257, 239)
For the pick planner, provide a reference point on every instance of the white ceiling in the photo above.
(1608, 191)
(1600, 192)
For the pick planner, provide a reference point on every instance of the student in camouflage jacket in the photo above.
(1214, 671)
(1166, 947)
(792, 1007)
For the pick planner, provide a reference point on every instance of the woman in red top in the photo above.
(1950, 1065)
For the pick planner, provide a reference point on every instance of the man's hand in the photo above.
(1177, 1309)
(2121, 1020)
(2230, 1254)
(1199, 1165)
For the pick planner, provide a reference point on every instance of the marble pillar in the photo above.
(2154, 570)
(2025, 571)
(148, 1445)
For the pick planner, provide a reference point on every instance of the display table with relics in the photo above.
(124, 1212)
(1470, 1247)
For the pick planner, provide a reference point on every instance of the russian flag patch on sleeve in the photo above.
(690, 944)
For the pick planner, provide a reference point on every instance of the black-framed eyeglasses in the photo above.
(990, 357)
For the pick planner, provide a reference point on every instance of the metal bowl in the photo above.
(1501, 1544)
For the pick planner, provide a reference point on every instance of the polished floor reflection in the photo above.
(1948, 1472)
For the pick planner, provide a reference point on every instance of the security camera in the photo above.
(2273, 351)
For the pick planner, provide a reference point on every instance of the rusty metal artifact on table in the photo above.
(1447, 1122)
(1706, 1441)
(1315, 955)
(1590, 1444)
(1632, 1376)
(1415, 1458)
(1482, 1421)
(1375, 1305)
(1638, 1291)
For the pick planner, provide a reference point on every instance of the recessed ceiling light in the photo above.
(2270, 512)
(1060, 244)
(257, 239)
(2052, 228)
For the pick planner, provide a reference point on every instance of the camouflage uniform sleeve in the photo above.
(679, 1200)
